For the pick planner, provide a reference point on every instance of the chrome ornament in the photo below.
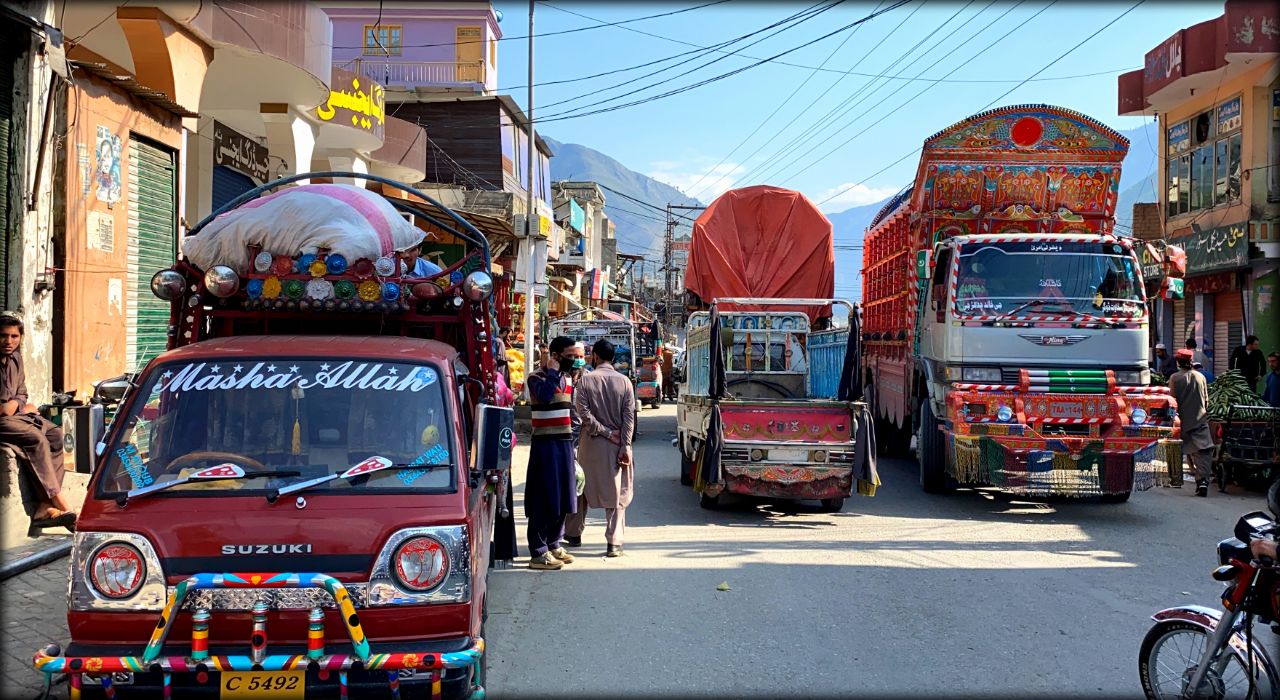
(168, 284)
(478, 286)
(221, 281)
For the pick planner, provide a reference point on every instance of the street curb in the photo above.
(12, 568)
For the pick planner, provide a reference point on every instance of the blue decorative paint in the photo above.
(437, 455)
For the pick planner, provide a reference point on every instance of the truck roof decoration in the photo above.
(763, 242)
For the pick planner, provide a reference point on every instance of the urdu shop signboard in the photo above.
(355, 101)
(1216, 249)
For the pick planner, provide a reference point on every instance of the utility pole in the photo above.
(666, 268)
(530, 265)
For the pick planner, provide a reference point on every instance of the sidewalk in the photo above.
(33, 606)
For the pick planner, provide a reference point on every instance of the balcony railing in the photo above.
(394, 72)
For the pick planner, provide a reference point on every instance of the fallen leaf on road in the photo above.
(724, 586)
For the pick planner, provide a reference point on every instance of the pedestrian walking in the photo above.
(500, 354)
(1162, 363)
(1249, 360)
(1271, 391)
(550, 485)
(1191, 392)
(604, 401)
(36, 440)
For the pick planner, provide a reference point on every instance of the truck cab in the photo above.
(300, 497)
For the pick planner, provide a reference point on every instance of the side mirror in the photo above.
(495, 438)
(113, 390)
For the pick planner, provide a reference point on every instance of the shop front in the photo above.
(1217, 285)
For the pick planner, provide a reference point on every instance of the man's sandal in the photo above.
(63, 519)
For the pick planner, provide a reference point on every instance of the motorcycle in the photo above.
(1199, 652)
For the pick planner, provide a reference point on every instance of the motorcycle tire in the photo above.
(932, 456)
(1162, 630)
(1273, 498)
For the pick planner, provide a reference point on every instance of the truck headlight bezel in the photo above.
(1132, 377)
(980, 375)
(385, 588)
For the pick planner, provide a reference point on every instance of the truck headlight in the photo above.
(1133, 377)
(1138, 416)
(980, 374)
(1004, 414)
(421, 565)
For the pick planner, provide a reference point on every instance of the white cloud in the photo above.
(701, 178)
(852, 195)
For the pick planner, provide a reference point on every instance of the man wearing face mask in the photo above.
(550, 492)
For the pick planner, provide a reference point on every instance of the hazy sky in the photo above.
(841, 128)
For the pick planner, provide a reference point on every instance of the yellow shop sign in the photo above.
(355, 99)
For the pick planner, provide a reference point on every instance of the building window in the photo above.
(1203, 163)
(382, 40)
(493, 51)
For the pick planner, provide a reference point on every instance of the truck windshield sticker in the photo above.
(134, 466)
(1120, 308)
(434, 457)
(347, 375)
(1050, 283)
(982, 305)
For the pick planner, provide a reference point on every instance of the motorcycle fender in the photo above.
(1207, 619)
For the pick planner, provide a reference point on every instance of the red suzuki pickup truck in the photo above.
(298, 499)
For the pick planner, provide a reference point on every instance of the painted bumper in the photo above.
(647, 390)
(158, 658)
(793, 482)
(1061, 443)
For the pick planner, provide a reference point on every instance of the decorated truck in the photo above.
(1006, 323)
(767, 409)
(303, 495)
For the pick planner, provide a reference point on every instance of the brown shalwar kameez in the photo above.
(604, 402)
(30, 435)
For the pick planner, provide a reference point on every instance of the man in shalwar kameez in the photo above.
(550, 492)
(604, 401)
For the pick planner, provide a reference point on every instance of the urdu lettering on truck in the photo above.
(320, 454)
(1006, 324)
(768, 405)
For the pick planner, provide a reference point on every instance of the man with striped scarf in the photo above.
(550, 490)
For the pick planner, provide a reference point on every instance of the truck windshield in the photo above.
(1037, 278)
(311, 417)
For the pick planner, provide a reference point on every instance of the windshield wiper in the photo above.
(222, 472)
(369, 466)
(1034, 302)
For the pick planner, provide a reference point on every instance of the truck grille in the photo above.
(242, 599)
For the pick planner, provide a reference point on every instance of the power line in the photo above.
(574, 30)
(722, 76)
(1006, 94)
(663, 210)
(817, 123)
(693, 189)
(844, 72)
(771, 165)
(794, 20)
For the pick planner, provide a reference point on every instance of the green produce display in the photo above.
(1230, 389)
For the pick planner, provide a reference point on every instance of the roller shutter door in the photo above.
(228, 184)
(152, 241)
(1228, 328)
(8, 38)
(1180, 325)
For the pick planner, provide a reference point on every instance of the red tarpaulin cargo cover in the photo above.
(762, 241)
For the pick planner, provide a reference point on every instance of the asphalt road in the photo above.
(904, 594)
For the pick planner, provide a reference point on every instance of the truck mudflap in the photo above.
(1069, 444)
(200, 662)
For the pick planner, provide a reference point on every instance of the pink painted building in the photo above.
(418, 48)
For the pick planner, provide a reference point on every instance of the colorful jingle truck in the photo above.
(303, 495)
(763, 412)
(1006, 324)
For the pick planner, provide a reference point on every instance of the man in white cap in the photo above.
(1162, 363)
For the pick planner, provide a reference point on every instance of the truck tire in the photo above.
(709, 502)
(686, 469)
(1116, 497)
(832, 505)
(932, 453)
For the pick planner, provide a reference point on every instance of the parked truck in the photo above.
(762, 259)
(302, 496)
(1006, 323)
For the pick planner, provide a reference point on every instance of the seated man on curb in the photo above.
(35, 439)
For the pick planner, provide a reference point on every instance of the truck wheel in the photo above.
(932, 454)
(1116, 497)
(832, 505)
(686, 469)
(709, 502)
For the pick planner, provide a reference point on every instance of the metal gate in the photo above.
(8, 38)
(152, 246)
(229, 184)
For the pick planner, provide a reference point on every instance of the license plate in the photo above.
(1066, 410)
(788, 455)
(287, 685)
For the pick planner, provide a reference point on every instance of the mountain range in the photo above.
(635, 202)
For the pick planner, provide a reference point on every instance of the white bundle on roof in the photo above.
(344, 219)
